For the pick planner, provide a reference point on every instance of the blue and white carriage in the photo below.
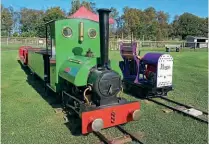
(153, 72)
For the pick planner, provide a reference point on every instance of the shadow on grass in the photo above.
(137, 92)
(73, 122)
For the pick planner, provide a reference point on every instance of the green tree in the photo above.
(89, 5)
(131, 19)
(149, 15)
(189, 24)
(6, 20)
(15, 34)
(120, 29)
(16, 21)
(28, 34)
(115, 15)
(163, 27)
(204, 27)
(173, 28)
(29, 21)
(54, 13)
(149, 24)
(76, 4)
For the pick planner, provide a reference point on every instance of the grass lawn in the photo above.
(27, 117)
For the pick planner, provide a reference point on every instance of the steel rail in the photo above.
(181, 104)
(125, 132)
(129, 133)
(178, 110)
(102, 137)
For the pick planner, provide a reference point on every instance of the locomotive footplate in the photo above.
(147, 90)
(100, 118)
(95, 118)
(158, 92)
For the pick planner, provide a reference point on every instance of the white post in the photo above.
(195, 45)
(143, 40)
(7, 40)
(122, 36)
(37, 41)
(132, 36)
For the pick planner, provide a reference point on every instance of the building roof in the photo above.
(84, 13)
(197, 37)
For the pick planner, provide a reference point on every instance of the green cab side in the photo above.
(70, 52)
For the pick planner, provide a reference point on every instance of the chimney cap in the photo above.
(104, 10)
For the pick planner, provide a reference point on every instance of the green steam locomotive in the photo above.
(76, 66)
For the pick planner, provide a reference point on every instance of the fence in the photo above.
(156, 45)
(113, 44)
(23, 41)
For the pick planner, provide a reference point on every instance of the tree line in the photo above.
(147, 24)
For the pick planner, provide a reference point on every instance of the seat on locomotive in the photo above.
(129, 50)
(130, 65)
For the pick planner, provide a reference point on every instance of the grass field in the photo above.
(27, 116)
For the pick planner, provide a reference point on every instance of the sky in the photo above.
(173, 7)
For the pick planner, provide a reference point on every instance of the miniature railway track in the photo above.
(127, 138)
(201, 118)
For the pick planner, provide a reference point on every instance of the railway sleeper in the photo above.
(118, 140)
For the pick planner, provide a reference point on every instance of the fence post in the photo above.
(7, 40)
(182, 46)
(37, 41)
(195, 45)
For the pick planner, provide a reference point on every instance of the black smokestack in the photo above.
(104, 35)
